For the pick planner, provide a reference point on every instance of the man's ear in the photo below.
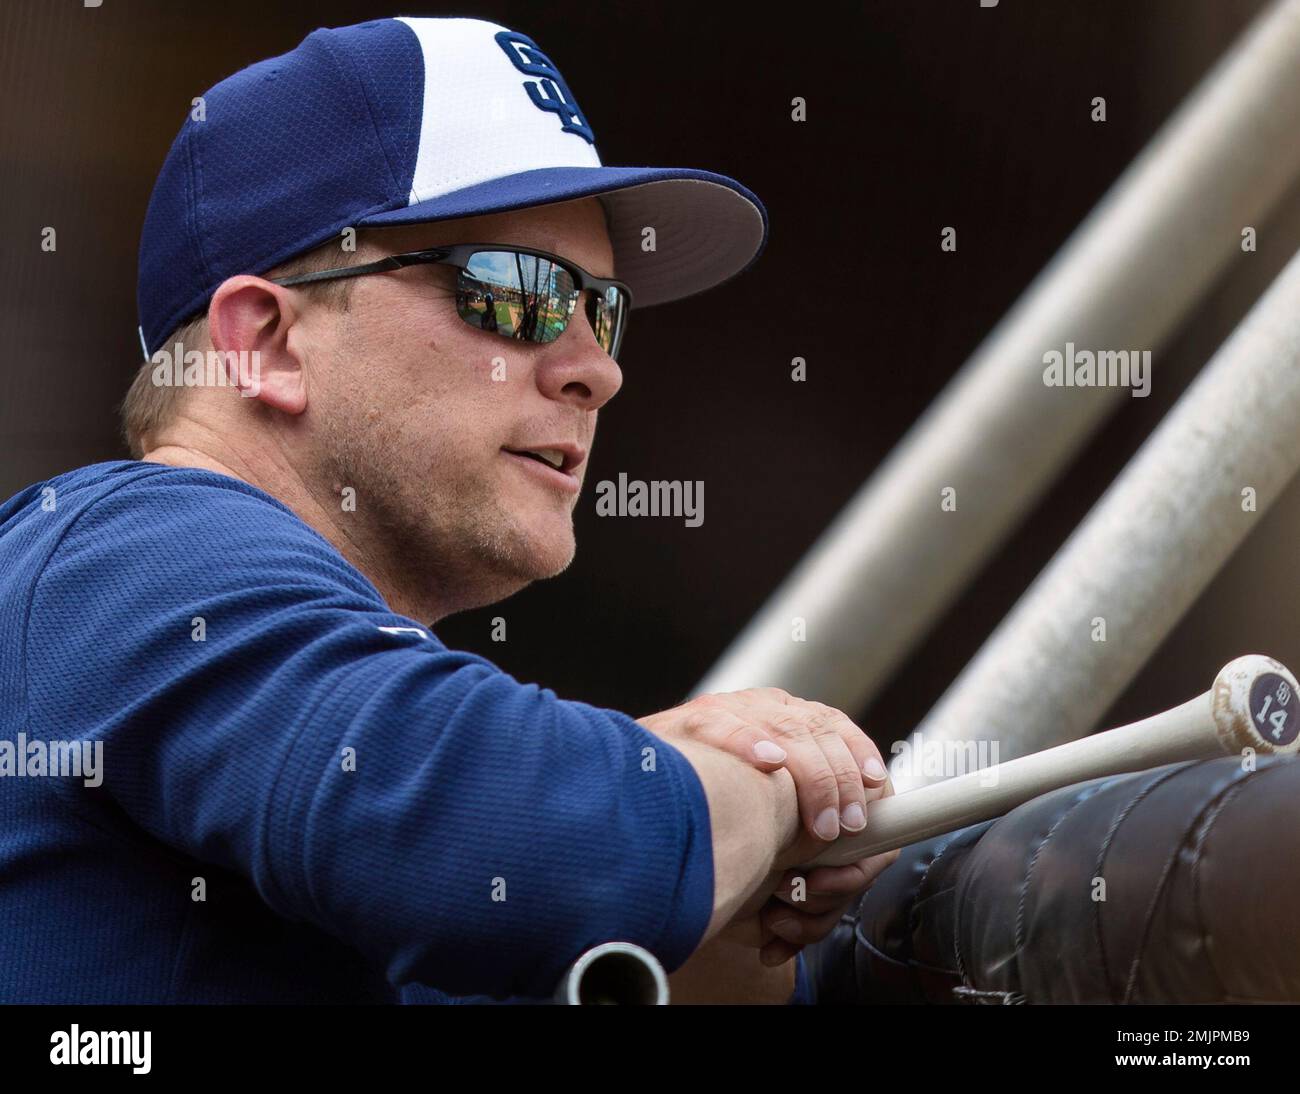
(249, 321)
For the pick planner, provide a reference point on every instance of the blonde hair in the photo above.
(149, 408)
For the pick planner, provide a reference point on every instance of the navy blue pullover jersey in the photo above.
(300, 795)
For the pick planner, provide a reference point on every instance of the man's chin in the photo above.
(497, 566)
(543, 549)
(554, 557)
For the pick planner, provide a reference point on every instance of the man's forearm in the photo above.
(753, 817)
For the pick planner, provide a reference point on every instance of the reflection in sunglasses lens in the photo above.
(529, 298)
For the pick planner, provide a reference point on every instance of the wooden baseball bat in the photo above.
(1252, 705)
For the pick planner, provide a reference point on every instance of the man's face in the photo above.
(423, 415)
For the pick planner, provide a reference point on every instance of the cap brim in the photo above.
(707, 227)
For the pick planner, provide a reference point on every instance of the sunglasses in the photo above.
(525, 295)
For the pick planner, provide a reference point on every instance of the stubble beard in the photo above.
(449, 541)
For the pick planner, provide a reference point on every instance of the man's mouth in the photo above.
(552, 456)
(556, 463)
(561, 457)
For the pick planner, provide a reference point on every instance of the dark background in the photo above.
(921, 114)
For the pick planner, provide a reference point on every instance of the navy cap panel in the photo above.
(171, 262)
(300, 111)
(385, 59)
(291, 151)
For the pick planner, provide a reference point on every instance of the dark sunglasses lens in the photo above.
(516, 295)
(606, 313)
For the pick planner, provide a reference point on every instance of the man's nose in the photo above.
(574, 369)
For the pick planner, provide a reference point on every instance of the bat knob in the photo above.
(1256, 706)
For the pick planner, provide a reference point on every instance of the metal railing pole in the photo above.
(1194, 490)
(893, 560)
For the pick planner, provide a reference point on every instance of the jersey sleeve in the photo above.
(263, 710)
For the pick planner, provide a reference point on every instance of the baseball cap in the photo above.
(408, 121)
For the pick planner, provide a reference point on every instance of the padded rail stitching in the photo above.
(971, 995)
(1165, 873)
(1087, 793)
(1143, 792)
(1197, 857)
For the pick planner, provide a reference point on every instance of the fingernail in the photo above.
(785, 927)
(874, 769)
(854, 818)
(769, 753)
(828, 823)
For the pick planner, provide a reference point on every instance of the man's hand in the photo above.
(807, 905)
(805, 908)
(828, 756)
(794, 908)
